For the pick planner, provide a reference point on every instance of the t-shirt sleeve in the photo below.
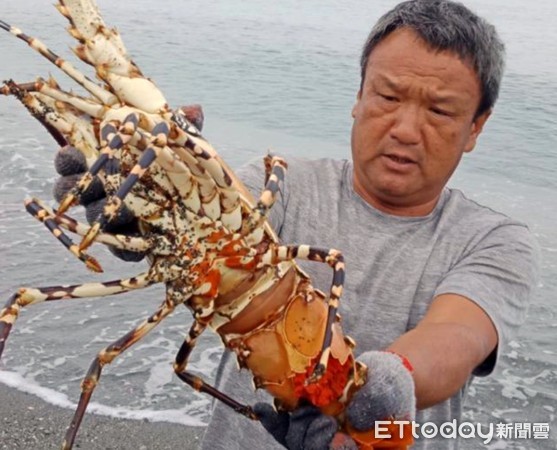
(252, 175)
(498, 274)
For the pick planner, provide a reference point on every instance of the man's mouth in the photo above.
(400, 159)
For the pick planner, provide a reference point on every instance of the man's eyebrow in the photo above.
(389, 82)
(448, 98)
(436, 98)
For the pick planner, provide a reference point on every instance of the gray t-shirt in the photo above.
(395, 266)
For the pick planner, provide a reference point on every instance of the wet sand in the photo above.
(28, 423)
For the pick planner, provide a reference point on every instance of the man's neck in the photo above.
(395, 209)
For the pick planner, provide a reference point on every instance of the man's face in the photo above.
(413, 120)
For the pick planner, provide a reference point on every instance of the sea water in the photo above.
(270, 75)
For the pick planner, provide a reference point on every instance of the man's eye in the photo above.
(439, 111)
(389, 98)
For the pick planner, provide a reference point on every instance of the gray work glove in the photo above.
(305, 428)
(387, 394)
(71, 165)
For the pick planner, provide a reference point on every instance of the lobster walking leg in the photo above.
(196, 382)
(106, 356)
(120, 241)
(115, 140)
(275, 168)
(115, 202)
(29, 296)
(34, 208)
(43, 213)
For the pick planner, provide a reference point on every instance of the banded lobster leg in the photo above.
(53, 221)
(112, 141)
(34, 208)
(106, 356)
(198, 383)
(30, 296)
(335, 260)
(157, 148)
(275, 169)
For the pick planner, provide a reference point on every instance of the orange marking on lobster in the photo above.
(237, 262)
(329, 387)
(401, 437)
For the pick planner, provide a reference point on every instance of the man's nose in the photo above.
(407, 125)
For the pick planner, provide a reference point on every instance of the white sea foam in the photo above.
(16, 381)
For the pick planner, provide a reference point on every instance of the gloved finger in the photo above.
(64, 184)
(124, 222)
(368, 407)
(388, 392)
(276, 423)
(194, 114)
(319, 433)
(69, 161)
(342, 441)
(309, 426)
(126, 255)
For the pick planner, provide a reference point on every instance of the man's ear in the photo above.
(358, 98)
(475, 130)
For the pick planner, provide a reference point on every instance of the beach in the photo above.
(29, 423)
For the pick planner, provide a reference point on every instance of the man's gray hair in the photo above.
(447, 26)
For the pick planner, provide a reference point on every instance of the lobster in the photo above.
(206, 238)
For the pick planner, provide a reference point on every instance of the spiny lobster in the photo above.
(207, 239)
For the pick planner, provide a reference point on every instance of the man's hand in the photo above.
(71, 165)
(388, 394)
(305, 428)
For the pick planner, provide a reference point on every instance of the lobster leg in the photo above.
(115, 202)
(29, 296)
(115, 140)
(53, 222)
(106, 356)
(34, 208)
(120, 241)
(334, 259)
(275, 169)
(196, 382)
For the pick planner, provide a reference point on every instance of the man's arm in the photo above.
(454, 337)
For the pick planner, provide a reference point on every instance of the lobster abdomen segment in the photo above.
(279, 335)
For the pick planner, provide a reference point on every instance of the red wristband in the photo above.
(404, 360)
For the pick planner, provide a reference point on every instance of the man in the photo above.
(432, 276)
